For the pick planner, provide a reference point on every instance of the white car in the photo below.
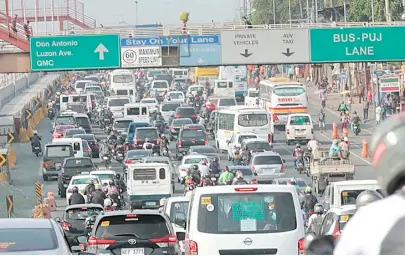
(104, 175)
(187, 161)
(151, 103)
(80, 181)
(236, 141)
(175, 96)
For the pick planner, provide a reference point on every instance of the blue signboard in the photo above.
(200, 55)
(343, 76)
(169, 41)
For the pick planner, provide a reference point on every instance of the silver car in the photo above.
(32, 237)
(267, 165)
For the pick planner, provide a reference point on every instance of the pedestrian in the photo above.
(361, 93)
(297, 72)
(14, 23)
(369, 96)
(290, 73)
(378, 111)
(27, 30)
(366, 106)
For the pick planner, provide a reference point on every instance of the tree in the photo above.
(263, 11)
(360, 10)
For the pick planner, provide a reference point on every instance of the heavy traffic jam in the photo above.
(187, 161)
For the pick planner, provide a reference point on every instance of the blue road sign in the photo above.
(200, 55)
(169, 41)
(343, 76)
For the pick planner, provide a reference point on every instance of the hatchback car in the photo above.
(336, 219)
(267, 166)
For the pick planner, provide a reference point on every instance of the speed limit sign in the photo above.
(129, 56)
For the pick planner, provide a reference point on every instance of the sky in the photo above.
(110, 13)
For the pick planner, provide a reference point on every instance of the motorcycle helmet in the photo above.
(111, 183)
(107, 202)
(91, 182)
(97, 187)
(366, 197)
(75, 189)
(318, 209)
(35, 132)
(298, 145)
(58, 94)
(204, 162)
(118, 176)
(149, 146)
(194, 167)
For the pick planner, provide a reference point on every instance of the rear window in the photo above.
(176, 95)
(82, 213)
(160, 85)
(72, 163)
(105, 176)
(142, 134)
(300, 120)
(148, 101)
(267, 160)
(253, 120)
(176, 209)
(170, 107)
(77, 108)
(258, 146)
(61, 120)
(244, 171)
(227, 102)
(132, 127)
(63, 128)
(81, 85)
(85, 136)
(349, 196)
(205, 150)
(246, 213)
(343, 220)
(186, 111)
(82, 121)
(194, 160)
(93, 89)
(122, 79)
(138, 153)
(59, 151)
(75, 131)
(253, 94)
(142, 226)
(245, 137)
(27, 239)
(182, 121)
(193, 134)
(82, 181)
(144, 174)
(81, 99)
(117, 102)
(122, 92)
(122, 124)
(289, 91)
(136, 111)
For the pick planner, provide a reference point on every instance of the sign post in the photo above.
(38, 191)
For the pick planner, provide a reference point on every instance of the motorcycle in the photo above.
(356, 129)
(300, 165)
(107, 159)
(307, 159)
(165, 151)
(37, 150)
(160, 125)
(119, 156)
(51, 113)
(116, 199)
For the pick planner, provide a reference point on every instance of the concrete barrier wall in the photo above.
(7, 93)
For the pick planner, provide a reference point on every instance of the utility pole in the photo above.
(387, 10)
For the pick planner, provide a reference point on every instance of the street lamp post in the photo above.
(136, 12)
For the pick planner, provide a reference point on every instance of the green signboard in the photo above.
(357, 44)
(74, 52)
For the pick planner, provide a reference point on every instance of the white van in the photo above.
(116, 104)
(299, 128)
(77, 145)
(149, 182)
(224, 88)
(252, 97)
(342, 193)
(255, 219)
(137, 111)
(160, 85)
(122, 78)
(84, 99)
(81, 84)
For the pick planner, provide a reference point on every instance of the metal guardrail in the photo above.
(6, 79)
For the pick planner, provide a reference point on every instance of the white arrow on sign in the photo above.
(200, 60)
(100, 50)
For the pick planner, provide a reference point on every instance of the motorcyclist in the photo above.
(76, 197)
(309, 202)
(164, 142)
(113, 138)
(108, 205)
(128, 145)
(98, 196)
(214, 166)
(355, 120)
(120, 183)
(313, 144)
(238, 179)
(90, 188)
(195, 174)
(111, 189)
(383, 236)
(35, 141)
(298, 154)
(105, 149)
(205, 170)
(247, 154)
(315, 221)
(147, 145)
(226, 176)
(237, 159)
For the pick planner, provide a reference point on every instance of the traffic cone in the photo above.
(335, 134)
(345, 133)
(364, 151)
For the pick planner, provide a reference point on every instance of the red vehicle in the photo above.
(60, 130)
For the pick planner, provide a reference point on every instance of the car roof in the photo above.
(102, 171)
(71, 129)
(239, 167)
(75, 206)
(267, 153)
(123, 119)
(146, 128)
(246, 133)
(77, 158)
(126, 212)
(195, 156)
(183, 118)
(158, 158)
(201, 146)
(81, 176)
(174, 199)
(82, 115)
(254, 140)
(231, 188)
(26, 223)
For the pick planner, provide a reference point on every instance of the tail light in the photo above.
(252, 167)
(336, 231)
(87, 150)
(171, 240)
(192, 247)
(129, 161)
(194, 116)
(179, 144)
(269, 137)
(253, 181)
(282, 168)
(245, 189)
(301, 246)
(99, 241)
(206, 142)
(177, 115)
(65, 225)
(70, 190)
(288, 131)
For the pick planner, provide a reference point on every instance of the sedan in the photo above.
(208, 151)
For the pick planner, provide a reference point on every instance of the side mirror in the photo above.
(283, 161)
(181, 236)
(81, 239)
(57, 219)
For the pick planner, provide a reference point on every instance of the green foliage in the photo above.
(360, 10)
(263, 11)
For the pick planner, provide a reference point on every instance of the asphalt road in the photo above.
(28, 168)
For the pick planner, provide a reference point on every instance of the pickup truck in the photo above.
(324, 170)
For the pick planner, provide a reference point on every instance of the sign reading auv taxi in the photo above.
(137, 57)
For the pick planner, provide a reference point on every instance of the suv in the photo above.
(138, 232)
(53, 157)
(143, 133)
(182, 112)
(73, 166)
(267, 165)
(190, 137)
(176, 125)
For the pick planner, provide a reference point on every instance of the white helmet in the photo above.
(35, 132)
(58, 94)
(53, 102)
(107, 202)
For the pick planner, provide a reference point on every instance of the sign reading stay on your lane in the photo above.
(74, 52)
(265, 46)
(357, 44)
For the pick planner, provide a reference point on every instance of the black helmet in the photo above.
(75, 189)
(385, 148)
(366, 197)
(118, 176)
(194, 167)
(111, 182)
(149, 146)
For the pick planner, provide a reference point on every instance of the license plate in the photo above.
(105, 158)
(65, 185)
(150, 203)
(133, 251)
(36, 147)
(269, 171)
(213, 179)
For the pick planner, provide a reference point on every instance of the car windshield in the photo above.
(186, 111)
(258, 146)
(77, 163)
(253, 120)
(182, 121)
(105, 176)
(227, 102)
(246, 213)
(244, 137)
(267, 160)
(141, 226)
(300, 120)
(14, 240)
(137, 153)
(204, 150)
(192, 134)
(122, 124)
(170, 107)
(122, 79)
(160, 85)
(82, 181)
(142, 134)
(81, 85)
(196, 160)
(60, 120)
(82, 121)
(117, 102)
(59, 151)
(78, 108)
(82, 213)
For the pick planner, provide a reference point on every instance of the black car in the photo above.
(176, 125)
(208, 151)
(143, 133)
(70, 132)
(73, 166)
(138, 232)
(53, 157)
(93, 143)
(73, 219)
(187, 112)
(190, 137)
(83, 122)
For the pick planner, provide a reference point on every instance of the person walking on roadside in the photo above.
(14, 24)
(321, 120)
(27, 30)
(378, 112)
(366, 106)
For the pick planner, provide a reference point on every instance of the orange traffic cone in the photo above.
(345, 133)
(364, 152)
(335, 134)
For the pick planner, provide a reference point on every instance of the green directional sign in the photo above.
(76, 52)
(357, 44)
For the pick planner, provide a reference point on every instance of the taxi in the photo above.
(80, 181)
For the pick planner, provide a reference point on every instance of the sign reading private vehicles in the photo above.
(135, 57)
(74, 52)
(264, 46)
(357, 44)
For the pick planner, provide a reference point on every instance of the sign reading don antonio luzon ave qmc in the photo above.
(74, 52)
